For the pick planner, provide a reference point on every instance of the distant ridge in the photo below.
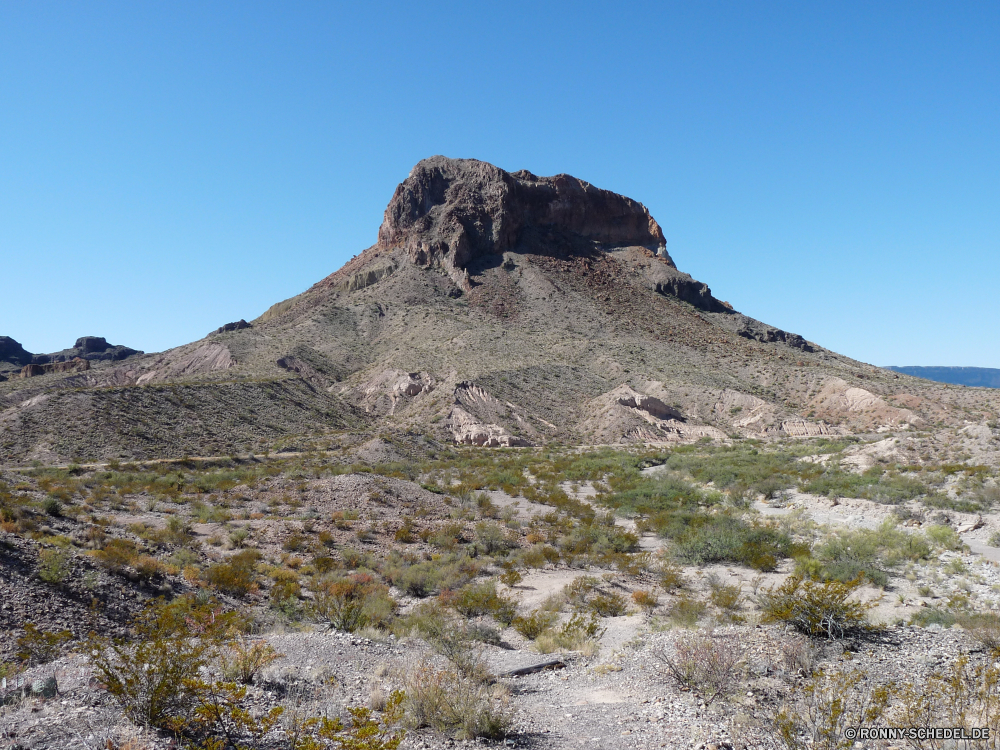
(983, 377)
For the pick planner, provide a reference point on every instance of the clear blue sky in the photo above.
(829, 168)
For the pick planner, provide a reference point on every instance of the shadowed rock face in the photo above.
(13, 352)
(449, 212)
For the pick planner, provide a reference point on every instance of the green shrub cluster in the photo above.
(237, 575)
(482, 598)
(817, 608)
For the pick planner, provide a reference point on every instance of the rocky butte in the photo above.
(495, 308)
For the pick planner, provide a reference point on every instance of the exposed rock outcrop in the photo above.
(91, 348)
(477, 416)
(769, 335)
(239, 325)
(365, 278)
(384, 392)
(76, 364)
(625, 415)
(449, 212)
(13, 352)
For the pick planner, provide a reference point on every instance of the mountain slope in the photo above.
(496, 308)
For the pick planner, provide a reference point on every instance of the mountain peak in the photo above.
(451, 212)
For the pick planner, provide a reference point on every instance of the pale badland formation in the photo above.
(509, 433)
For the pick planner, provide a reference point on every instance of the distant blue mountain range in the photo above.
(984, 377)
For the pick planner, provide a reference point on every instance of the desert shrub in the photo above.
(984, 627)
(608, 604)
(54, 565)
(483, 633)
(538, 555)
(239, 536)
(447, 537)
(52, 506)
(209, 513)
(876, 484)
(944, 537)
(420, 580)
(492, 538)
(597, 540)
(36, 646)
(354, 602)
(245, 659)
(933, 616)
(648, 600)
(579, 633)
(725, 596)
(476, 599)
(147, 566)
(535, 623)
(449, 701)
(405, 533)
(817, 715)
(670, 576)
(631, 564)
(686, 610)
(713, 665)
(153, 677)
(424, 578)
(286, 587)
(365, 732)
(816, 608)
(668, 491)
(869, 552)
(577, 590)
(703, 538)
(511, 576)
(236, 576)
(964, 695)
(177, 531)
(221, 720)
(117, 554)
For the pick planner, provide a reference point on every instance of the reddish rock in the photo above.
(75, 364)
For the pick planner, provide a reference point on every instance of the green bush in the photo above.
(429, 576)
(944, 537)
(703, 538)
(244, 660)
(492, 538)
(817, 608)
(39, 646)
(686, 611)
(152, 676)
(876, 484)
(117, 554)
(608, 604)
(354, 602)
(450, 701)
(236, 576)
(477, 599)
(534, 624)
(54, 565)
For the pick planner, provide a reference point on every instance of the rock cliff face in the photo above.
(91, 348)
(13, 352)
(450, 212)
